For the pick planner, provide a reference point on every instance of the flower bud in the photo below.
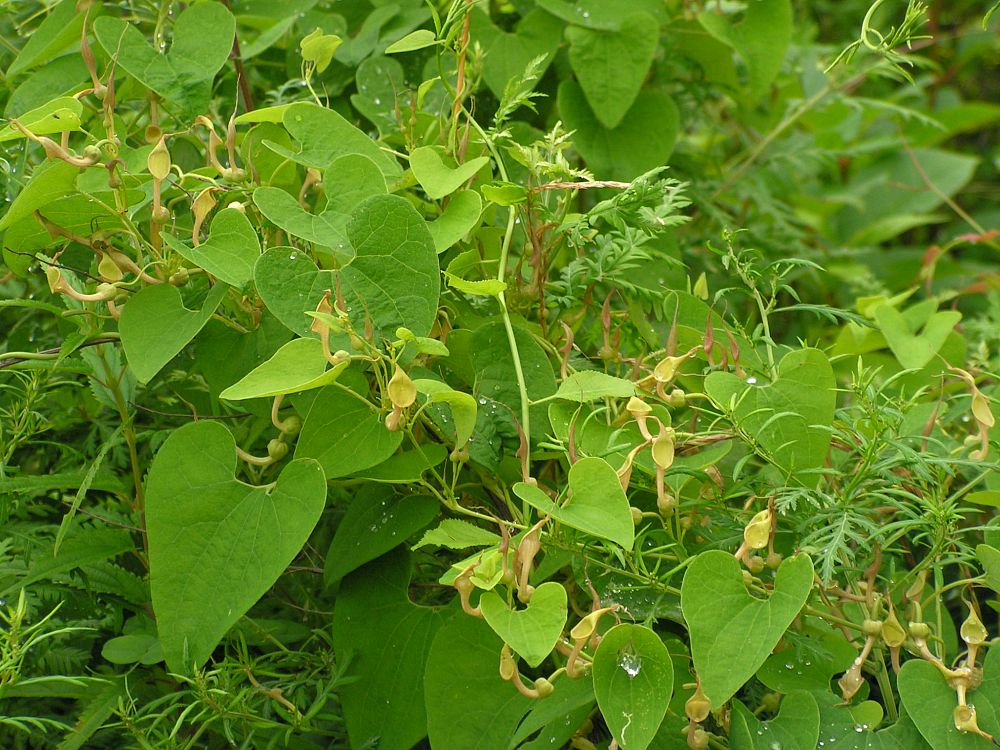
(698, 739)
(919, 631)
(973, 631)
(158, 162)
(180, 277)
(892, 632)
(277, 449)
(851, 681)
(757, 533)
(698, 706)
(755, 564)
(666, 503)
(677, 398)
(872, 627)
(402, 391)
(160, 214)
(544, 687)
(508, 667)
(663, 448)
(291, 425)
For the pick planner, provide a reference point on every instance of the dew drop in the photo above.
(751, 380)
(631, 663)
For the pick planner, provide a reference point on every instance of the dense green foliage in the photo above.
(465, 374)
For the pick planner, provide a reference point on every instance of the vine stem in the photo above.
(501, 297)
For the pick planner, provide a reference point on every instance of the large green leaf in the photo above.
(299, 365)
(216, 545)
(597, 503)
(507, 54)
(732, 632)
(930, 702)
(325, 135)
(796, 725)
(460, 217)
(60, 30)
(377, 520)
(229, 252)
(155, 326)
(387, 640)
(612, 65)
(344, 434)
(642, 141)
(393, 280)
(633, 682)
(787, 418)
(533, 632)
(52, 180)
(468, 706)
(202, 40)
(761, 38)
(914, 348)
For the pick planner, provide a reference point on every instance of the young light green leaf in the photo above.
(59, 115)
(437, 178)
(155, 326)
(230, 251)
(299, 365)
(732, 632)
(915, 349)
(216, 545)
(318, 48)
(463, 406)
(591, 385)
(456, 534)
(459, 218)
(415, 40)
(533, 632)
(52, 180)
(597, 504)
(633, 682)
(785, 417)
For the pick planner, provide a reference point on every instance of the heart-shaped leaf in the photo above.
(468, 707)
(913, 349)
(344, 434)
(459, 218)
(597, 503)
(787, 417)
(507, 55)
(58, 115)
(202, 40)
(377, 520)
(437, 178)
(216, 545)
(633, 682)
(930, 702)
(853, 727)
(612, 65)
(796, 725)
(155, 326)
(590, 385)
(761, 38)
(533, 632)
(299, 365)
(388, 639)
(328, 228)
(732, 632)
(324, 135)
(643, 140)
(393, 280)
(230, 251)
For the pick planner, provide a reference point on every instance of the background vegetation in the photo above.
(610, 373)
